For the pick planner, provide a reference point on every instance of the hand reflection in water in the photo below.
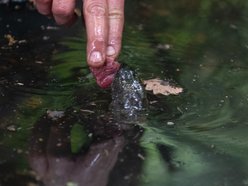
(51, 158)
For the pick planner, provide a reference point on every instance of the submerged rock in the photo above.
(128, 97)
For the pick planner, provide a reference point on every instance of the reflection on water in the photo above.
(51, 158)
(55, 123)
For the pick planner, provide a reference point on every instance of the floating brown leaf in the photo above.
(159, 86)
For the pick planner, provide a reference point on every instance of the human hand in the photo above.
(104, 21)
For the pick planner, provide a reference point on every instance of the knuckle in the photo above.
(116, 40)
(97, 42)
(61, 11)
(96, 9)
(115, 14)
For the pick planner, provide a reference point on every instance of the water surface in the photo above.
(53, 124)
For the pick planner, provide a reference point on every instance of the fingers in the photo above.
(63, 11)
(116, 22)
(44, 6)
(95, 14)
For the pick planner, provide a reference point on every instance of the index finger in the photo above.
(95, 14)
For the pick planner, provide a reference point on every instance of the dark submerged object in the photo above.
(128, 97)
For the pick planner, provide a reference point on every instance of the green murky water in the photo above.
(53, 117)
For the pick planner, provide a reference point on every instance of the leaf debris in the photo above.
(163, 87)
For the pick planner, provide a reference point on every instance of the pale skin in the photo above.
(104, 21)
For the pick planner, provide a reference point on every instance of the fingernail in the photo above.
(110, 51)
(96, 57)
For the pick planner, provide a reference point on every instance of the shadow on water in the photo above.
(55, 124)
